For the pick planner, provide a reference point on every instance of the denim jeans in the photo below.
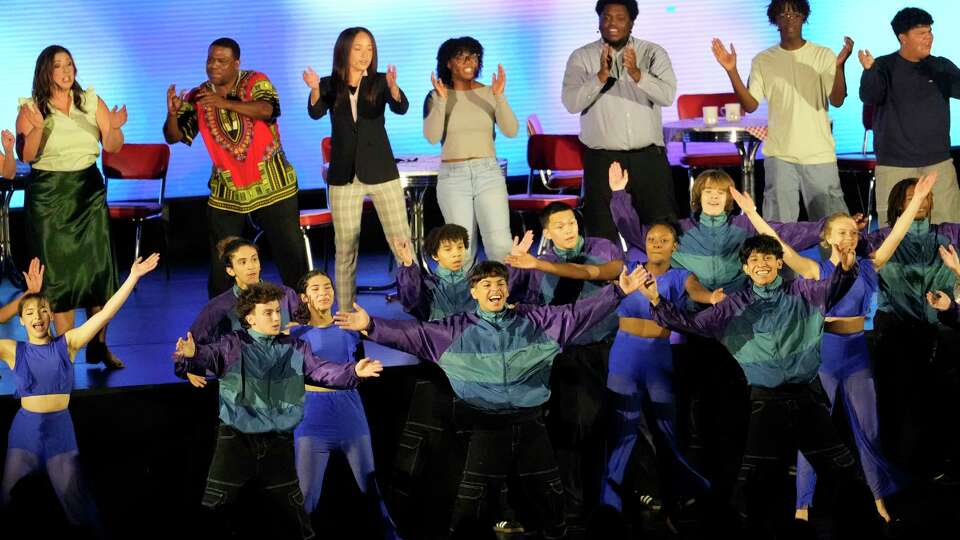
(473, 194)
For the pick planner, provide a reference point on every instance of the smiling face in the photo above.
(463, 66)
(63, 72)
(35, 317)
(491, 293)
(916, 43)
(925, 207)
(615, 24)
(265, 318)
(762, 268)
(660, 244)
(450, 254)
(842, 231)
(562, 229)
(245, 266)
(222, 67)
(361, 52)
(319, 295)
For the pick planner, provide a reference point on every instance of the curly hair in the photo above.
(632, 9)
(909, 18)
(259, 293)
(777, 7)
(450, 232)
(43, 80)
(710, 178)
(487, 269)
(897, 201)
(763, 244)
(452, 48)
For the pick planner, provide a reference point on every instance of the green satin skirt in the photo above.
(68, 228)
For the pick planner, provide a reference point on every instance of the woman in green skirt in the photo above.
(60, 130)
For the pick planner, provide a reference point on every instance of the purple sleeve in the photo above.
(825, 293)
(710, 322)
(524, 285)
(213, 357)
(291, 301)
(566, 323)
(425, 340)
(800, 235)
(627, 220)
(415, 296)
(329, 374)
(204, 328)
(606, 250)
(871, 242)
(951, 316)
(951, 231)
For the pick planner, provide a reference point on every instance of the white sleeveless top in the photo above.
(70, 142)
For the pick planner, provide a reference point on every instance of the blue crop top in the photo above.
(332, 343)
(856, 303)
(43, 369)
(671, 286)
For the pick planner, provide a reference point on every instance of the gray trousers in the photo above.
(785, 181)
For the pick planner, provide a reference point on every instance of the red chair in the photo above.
(322, 218)
(145, 163)
(691, 106)
(863, 162)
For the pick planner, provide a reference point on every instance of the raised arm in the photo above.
(838, 90)
(621, 208)
(873, 80)
(29, 131)
(425, 340)
(78, 337)
(191, 359)
(503, 115)
(825, 293)
(581, 85)
(728, 60)
(110, 123)
(899, 230)
(415, 296)
(709, 322)
(655, 81)
(34, 279)
(807, 268)
(434, 112)
(396, 99)
(322, 99)
(9, 158)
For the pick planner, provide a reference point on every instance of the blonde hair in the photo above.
(710, 178)
(828, 226)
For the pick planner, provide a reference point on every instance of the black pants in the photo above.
(651, 184)
(430, 456)
(783, 420)
(918, 382)
(280, 222)
(576, 421)
(505, 445)
(264, 458)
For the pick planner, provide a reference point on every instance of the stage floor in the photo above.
(145, 331)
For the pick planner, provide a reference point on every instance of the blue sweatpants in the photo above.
(46, 441)
(846, 368)
(641, 377)
(335, 421)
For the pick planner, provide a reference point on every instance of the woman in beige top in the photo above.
(60, 129)
(460, 113)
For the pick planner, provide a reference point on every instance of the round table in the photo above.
(746, 134)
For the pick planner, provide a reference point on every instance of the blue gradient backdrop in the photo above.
(131, 51)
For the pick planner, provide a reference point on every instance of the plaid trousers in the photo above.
(346, 205)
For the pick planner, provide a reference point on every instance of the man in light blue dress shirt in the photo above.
(618, 85)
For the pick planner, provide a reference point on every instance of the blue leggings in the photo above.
(641, 377)
(335, 421)
(846, 367)
(46, 441)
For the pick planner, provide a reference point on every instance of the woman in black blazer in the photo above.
(361, 163)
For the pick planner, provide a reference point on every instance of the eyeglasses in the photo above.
(788, 16)
(466, 57)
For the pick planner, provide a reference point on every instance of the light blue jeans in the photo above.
(474, 194)
(820, 185)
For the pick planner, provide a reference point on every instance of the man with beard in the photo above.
(618, 85)
(236, 111)
(910, 91)
(800, 80)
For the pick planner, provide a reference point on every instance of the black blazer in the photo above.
(360, 148)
